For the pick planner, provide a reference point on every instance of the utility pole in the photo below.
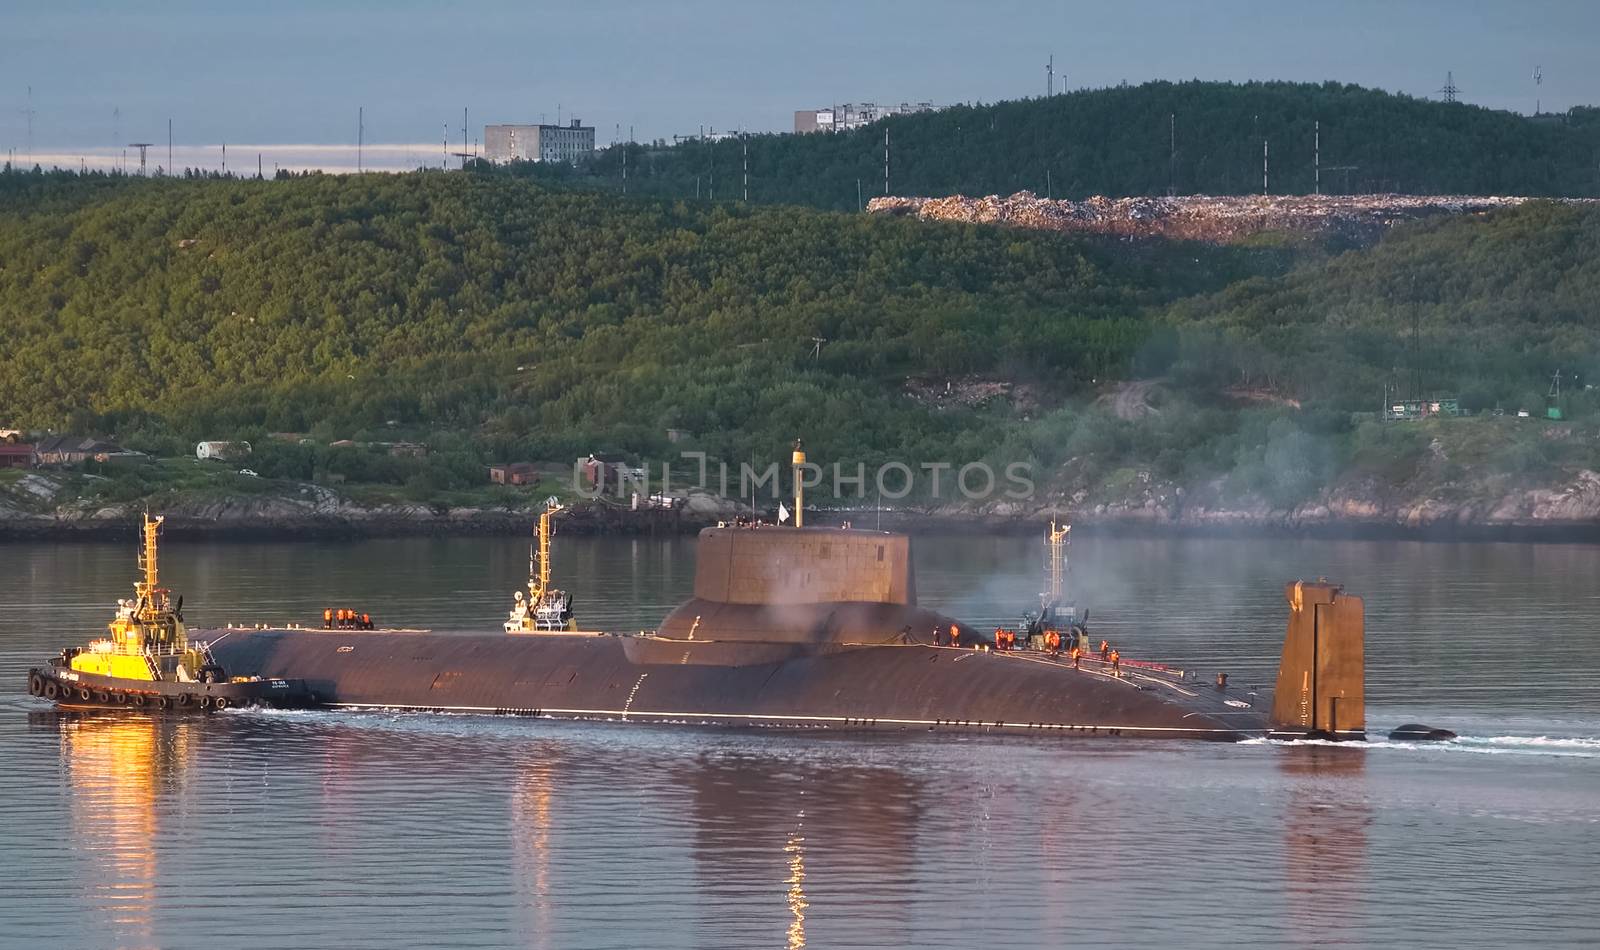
(1050, 77)
(464, 151)
(858, 195)
(1263, 166)
(1316, 157)
(361, 129)
(28, 111)
(624, 169)
(886, 161)
(1172, 154)
(169, 146)
(745, 144)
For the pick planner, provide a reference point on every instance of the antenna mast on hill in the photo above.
(1450, 90)
(1050, 76)
(141, 146)
(1538, 80)
(1172, 154)
(28, 111)
(886, 160)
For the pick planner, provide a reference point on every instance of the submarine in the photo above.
(819, 628)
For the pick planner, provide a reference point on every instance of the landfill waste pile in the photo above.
(1218, 219)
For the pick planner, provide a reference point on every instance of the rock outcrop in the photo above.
(1220, 219)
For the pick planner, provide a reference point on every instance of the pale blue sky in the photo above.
(291, 71)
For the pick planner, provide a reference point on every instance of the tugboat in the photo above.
(1057, 625)
(545, 608)
(147, 660)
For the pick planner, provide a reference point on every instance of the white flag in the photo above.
(783, 514)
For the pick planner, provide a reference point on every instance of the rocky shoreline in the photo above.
(248, 522)
(1559, 507)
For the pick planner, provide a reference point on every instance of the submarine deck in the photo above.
(644, 678)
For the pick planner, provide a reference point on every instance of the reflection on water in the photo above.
(531, 823)
(113, 765)
(796, 849)
(255, 829)
(1325, 842)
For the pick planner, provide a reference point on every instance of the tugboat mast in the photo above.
(539, 574)
(1058, 559)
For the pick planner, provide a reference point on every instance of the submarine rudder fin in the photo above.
(1321, 690)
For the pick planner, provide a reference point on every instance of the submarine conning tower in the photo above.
(804, 585)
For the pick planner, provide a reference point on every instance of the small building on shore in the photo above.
(76, 449)
(223, 451)
(514, 473)
(16, 455)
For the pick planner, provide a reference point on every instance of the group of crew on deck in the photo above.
(1051, 640)
(343, 618)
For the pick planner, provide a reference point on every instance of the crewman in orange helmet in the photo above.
(1052, 640)
(1076, 653)
(1105, 650)
(1116, 664)
(955, 635)
(327, 617)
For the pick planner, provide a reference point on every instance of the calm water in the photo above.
(352, 830)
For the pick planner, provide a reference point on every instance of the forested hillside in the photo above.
(496, 320)
(1193, 137)
(550, 323)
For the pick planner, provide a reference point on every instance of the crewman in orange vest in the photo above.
(1052, 640)
(955, 635)
(327, 617)
(1075, 654)
(1105, 650)
(1116, 664)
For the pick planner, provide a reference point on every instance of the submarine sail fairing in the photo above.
(820, 628)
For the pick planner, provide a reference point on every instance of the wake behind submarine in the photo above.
(820, 628)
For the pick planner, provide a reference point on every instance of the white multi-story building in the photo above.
(538, 143)
(852, 115)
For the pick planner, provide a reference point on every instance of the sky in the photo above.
(285, 79)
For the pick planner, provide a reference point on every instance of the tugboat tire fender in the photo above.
(102, 697)
(137, 699)
(51, 691)
(163, 702)
(205, 702)
(122, 699)
(184, 699)
(221, 702)
(83, 694)
(36, 685)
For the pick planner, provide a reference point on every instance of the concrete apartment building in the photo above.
(852, 115)
(538, 143)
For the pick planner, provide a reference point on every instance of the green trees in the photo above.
(1194, 137)
(498, 320)
(560, 322)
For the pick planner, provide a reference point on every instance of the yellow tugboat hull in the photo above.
(119, 665)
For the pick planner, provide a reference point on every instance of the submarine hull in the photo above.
(902, 686)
